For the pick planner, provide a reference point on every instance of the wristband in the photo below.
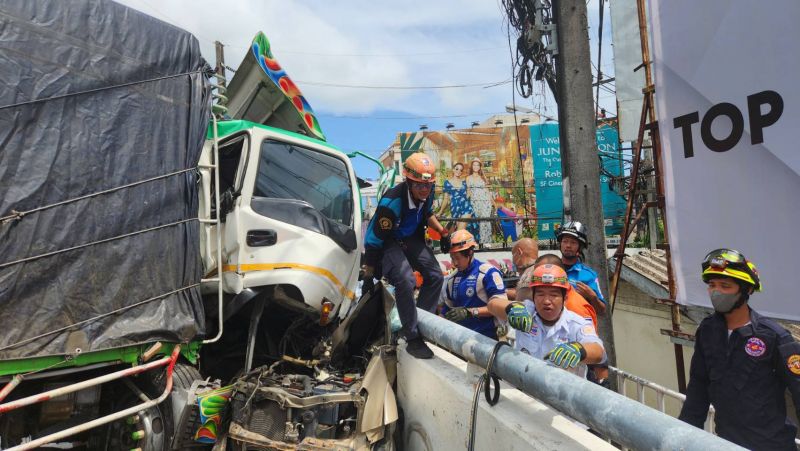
(582, 350)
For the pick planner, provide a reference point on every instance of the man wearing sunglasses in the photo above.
(395, 239)
(742, 363)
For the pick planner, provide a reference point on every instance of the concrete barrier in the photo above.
(436, 398)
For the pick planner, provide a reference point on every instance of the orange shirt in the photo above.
(581, 306)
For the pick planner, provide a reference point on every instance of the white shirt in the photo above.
(542, 339)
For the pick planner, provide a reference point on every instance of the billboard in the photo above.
(546, 152)
(729, 133)
(484, 178)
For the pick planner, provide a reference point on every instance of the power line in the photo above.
(442, 116)
(336, 85)
(390, 55)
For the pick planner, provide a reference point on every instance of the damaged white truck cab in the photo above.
(289, 216)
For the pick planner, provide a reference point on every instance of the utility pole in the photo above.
(580, 163)
(220, 69)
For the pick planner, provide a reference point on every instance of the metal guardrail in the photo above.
(661, 393)
(617, 417)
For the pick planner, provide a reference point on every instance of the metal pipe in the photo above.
(11, 385)
(657, 388)
(368, 157)
(41, 397)
(626, 225)
(221, 321)
(621, 419)
(112, 417)
(657, 155)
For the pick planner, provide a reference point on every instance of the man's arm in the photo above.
(789, 367)
(591, 296)
(497, 307)
(591, 342)
(695, 408)
(594, 352)
(511, 293)
(380, 229)
(433, 223)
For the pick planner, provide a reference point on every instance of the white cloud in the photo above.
(411, 43)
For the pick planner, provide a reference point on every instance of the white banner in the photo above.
(627, 57)
(728, 104)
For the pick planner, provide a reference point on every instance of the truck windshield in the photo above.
(287, 171)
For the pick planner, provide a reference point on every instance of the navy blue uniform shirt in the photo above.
(473, 288)
(397, 217)
(744, 377)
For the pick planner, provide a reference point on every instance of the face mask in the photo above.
(724, 303)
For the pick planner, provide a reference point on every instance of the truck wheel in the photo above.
(152, 429)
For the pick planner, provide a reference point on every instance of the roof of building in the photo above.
(647, 270)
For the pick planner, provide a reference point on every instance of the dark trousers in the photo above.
(399, 263)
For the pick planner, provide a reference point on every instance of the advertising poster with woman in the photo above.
(484, 179)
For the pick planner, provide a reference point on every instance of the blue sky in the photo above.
(366, 43)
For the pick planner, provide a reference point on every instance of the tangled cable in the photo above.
(533, 61)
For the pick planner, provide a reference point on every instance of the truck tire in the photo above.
(183, 375)
(156, 425)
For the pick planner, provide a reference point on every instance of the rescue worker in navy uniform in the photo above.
(396, 239)
(474, 284)
(743, 363)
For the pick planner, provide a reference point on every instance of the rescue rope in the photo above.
(104, 88)
(18, 215)
(81, 246)
(486, 381)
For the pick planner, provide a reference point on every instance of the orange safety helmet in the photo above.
(550, 275)
(461, 240)
(419, 167)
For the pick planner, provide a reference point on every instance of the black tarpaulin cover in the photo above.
(95, 96)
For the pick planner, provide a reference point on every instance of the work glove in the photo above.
(458, 314)
(367, 272)
(518, 317)
(567, 355)
(444, 244)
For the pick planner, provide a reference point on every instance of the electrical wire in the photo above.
(484, 85)
(533, 61)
